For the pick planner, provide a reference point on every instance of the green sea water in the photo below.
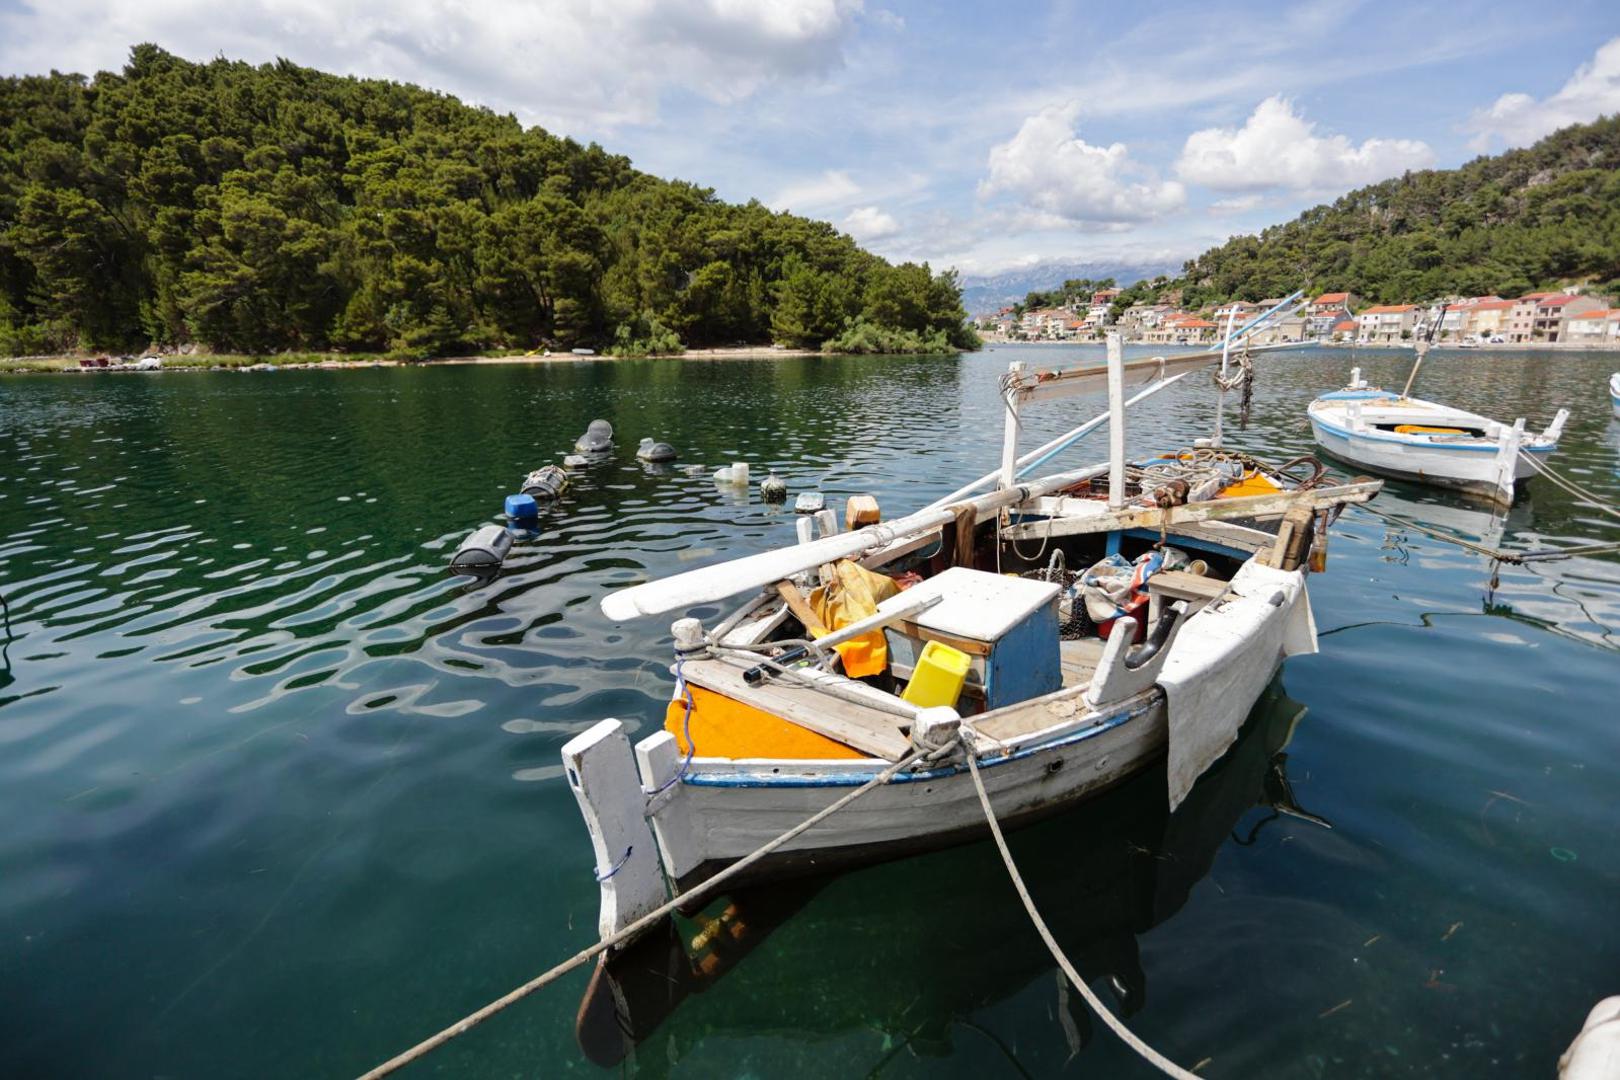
(279, 797)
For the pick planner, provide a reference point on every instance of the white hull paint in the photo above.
(1355, 427)
(721, 810)
(1428, 464)
(1614, 392)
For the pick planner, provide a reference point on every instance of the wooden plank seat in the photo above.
(869, 730)
(1168, 586)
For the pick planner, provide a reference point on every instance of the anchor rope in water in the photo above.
(1597, 501)
(512, 997)
(1498, 554)
(1130, 1038)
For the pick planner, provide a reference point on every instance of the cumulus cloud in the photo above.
(869, 223)
(1051, 170)
(1278, 148)
(831, 188)
(1519, 119)
(575, 64)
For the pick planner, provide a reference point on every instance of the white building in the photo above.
(1384, 324)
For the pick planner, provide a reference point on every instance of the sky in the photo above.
(987, 137)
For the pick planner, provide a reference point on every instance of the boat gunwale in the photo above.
(1533, 444)
(842, 772)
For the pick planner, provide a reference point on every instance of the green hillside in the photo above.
(263, 208)
(1543, 216)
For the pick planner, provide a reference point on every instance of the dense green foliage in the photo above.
(1539, 217)
(860, 335)
(266, 208)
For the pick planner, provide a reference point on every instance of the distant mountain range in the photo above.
(985, 294)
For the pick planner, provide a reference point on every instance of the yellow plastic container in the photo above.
(938, 677)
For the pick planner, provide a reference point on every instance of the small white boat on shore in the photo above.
(1410, 439)
(1190, 594)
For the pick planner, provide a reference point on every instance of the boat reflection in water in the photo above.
(885, 948)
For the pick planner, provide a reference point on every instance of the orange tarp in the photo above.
(726, 728)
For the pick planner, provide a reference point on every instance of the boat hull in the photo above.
(1474, 474)
(921, 813)
(660, 818)
(1474, 466)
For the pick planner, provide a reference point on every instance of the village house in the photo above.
(1278, 331)
(1240, 311)
(1522, 315)
(1600, 326)
(1552, 312)
(1328, 309)
(1190, 329)
(1454, 323)
(1142, 317)
(1344, 330)
(1487, 319)
(1384, 324)
(1170, 331)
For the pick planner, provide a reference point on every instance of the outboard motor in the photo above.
(598, 438)
(482, 553)
(655, 451)
(546, 484)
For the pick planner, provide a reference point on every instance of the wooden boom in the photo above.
(1151, 517)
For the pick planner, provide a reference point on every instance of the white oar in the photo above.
(710, 583)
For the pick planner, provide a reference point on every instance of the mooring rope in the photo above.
(1450, 538)
(1597, 501)
(1148, 1054)
(471, 1020)
(1513, 557)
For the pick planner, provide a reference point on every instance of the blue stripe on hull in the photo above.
(856, 779)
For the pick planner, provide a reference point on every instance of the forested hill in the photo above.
(1543, 216)
(276, 207)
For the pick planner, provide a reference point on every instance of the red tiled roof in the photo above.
(1345, 324)
(1493, 305)
(1193, 323)
(1538, 295)
(1389, 309)
(1333, 298)
(1556, 300)
(1601, 313)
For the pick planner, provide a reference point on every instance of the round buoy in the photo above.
(598, 438)
(655, 451)
(773, 488)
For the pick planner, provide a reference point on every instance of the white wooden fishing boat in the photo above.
(764, 729)
(1407, 438)
(1125, 865)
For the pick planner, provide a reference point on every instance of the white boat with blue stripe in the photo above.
(1407, 438)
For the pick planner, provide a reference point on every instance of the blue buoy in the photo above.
(522, 508)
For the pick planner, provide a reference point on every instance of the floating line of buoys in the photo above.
(486, 548)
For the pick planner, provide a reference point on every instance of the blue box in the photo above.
(1008, 626)
(522, 508)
